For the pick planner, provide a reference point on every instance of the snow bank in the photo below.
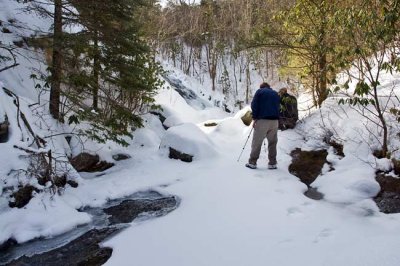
(189, 139)
(145, 137)
(230, 127)
(42, 217)
(30, 61)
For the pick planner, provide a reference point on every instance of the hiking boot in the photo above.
(272, 166)
(251, 166)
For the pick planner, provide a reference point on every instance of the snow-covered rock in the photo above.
(188, 138)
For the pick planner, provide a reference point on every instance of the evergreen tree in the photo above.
(123, 74)
(56, 65)
(103, 74)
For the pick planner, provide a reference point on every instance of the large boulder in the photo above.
(307, 165)
(187, 140)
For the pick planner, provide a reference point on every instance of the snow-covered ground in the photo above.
(230, 215)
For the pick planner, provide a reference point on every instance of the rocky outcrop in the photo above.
(86, 162)
(184, 157)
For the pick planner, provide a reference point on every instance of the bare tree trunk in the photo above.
(383, 121)
(234, 75)
(189, 61)
(55, 91)
(212, 64)
(267, 62)
(248, 83)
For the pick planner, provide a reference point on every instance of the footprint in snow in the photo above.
(294, 211)
(285, 241)
(325, 233)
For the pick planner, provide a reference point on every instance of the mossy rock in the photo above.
(211, 124)
(247, 118)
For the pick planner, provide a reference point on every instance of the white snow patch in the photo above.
(189, 139)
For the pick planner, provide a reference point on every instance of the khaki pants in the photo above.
(264, 129)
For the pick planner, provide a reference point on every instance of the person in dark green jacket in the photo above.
(289, 114)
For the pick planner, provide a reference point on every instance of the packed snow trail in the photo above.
(231, 215)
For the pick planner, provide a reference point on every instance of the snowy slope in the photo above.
(22, 25)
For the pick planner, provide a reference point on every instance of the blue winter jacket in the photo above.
(265, 104)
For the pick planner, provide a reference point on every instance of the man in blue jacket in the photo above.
(265, 111)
